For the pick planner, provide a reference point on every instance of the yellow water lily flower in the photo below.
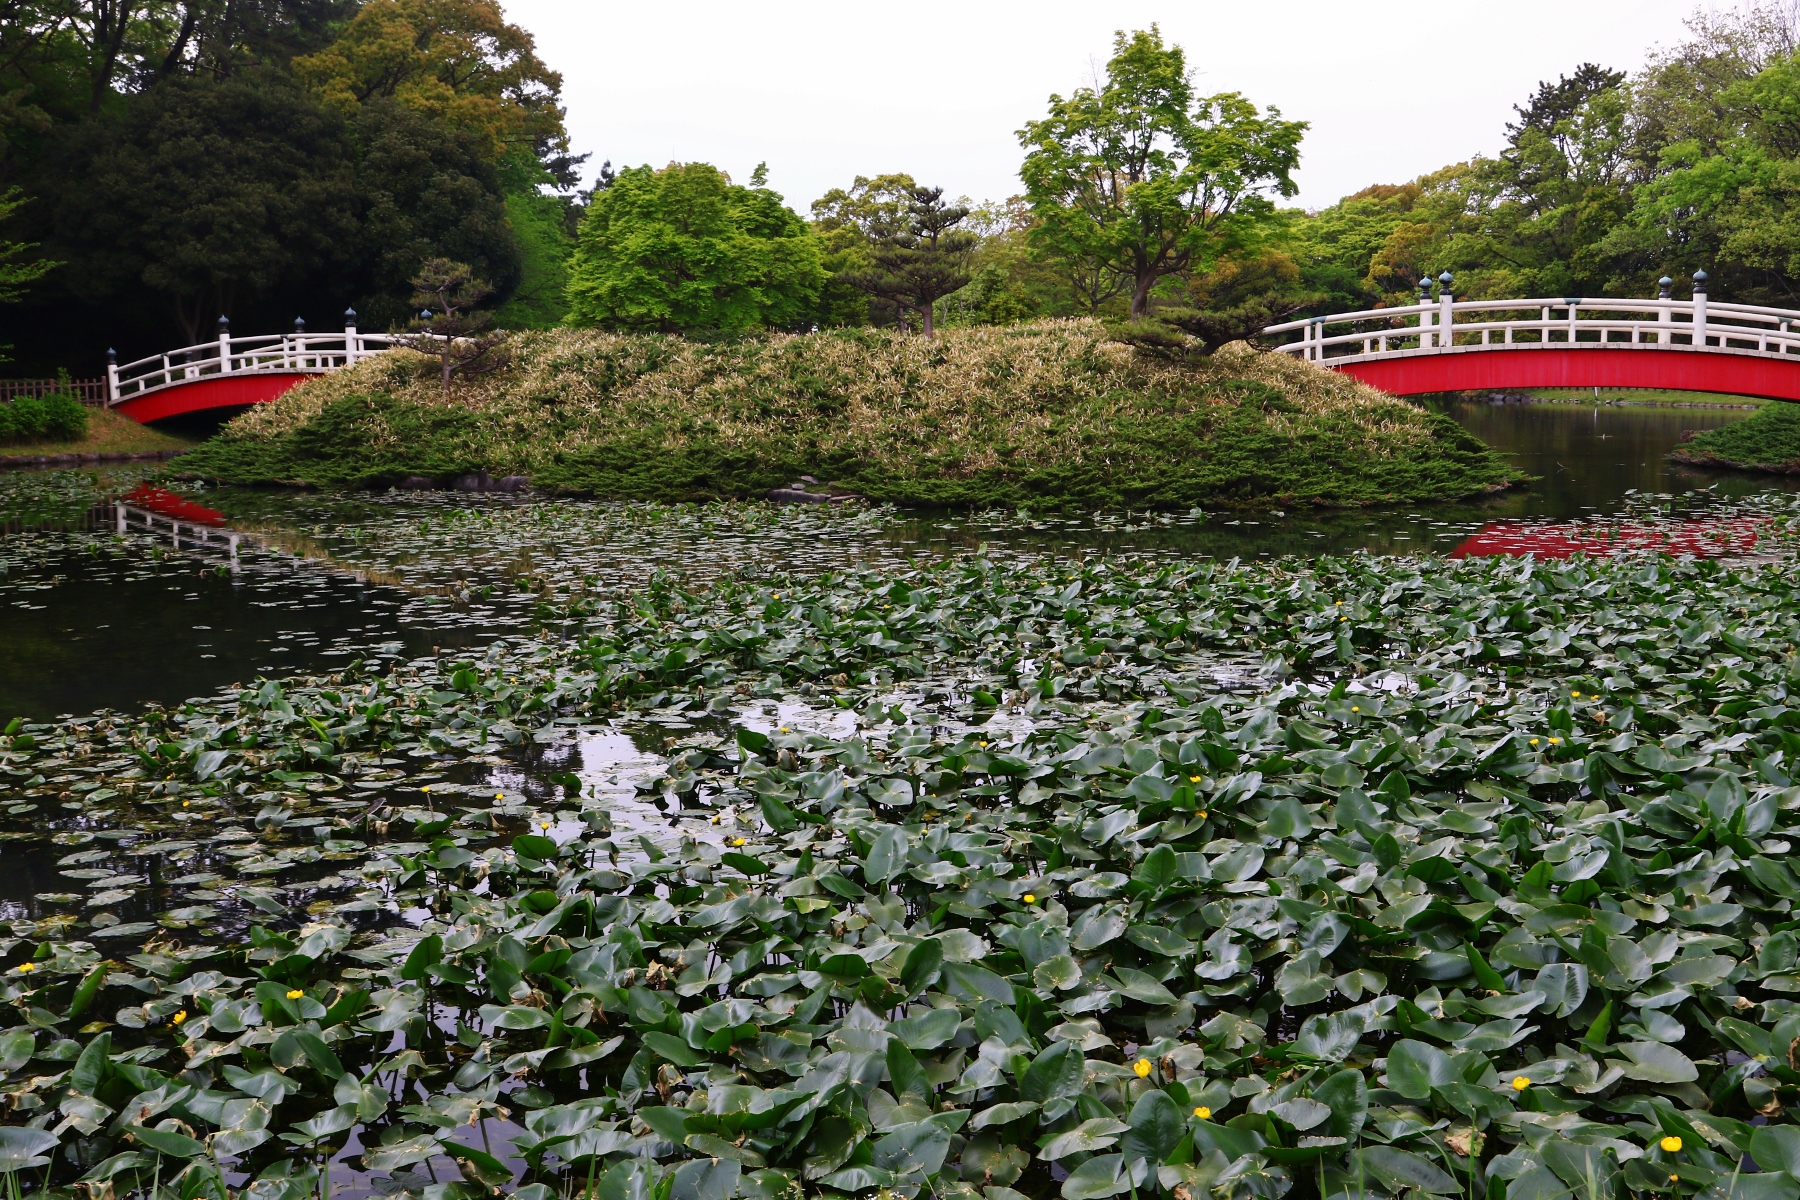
(1670, 1144)
(295, 994)
(26, 968)
(1142, 1067)
(1030, 899)
(1520, 1083)
(179, 1017)
(737, 841)
(1203, 1112)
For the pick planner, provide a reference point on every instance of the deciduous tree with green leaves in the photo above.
(1140, 179)
(684, 249)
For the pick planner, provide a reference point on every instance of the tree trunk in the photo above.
(1140, 295)
(928, 307)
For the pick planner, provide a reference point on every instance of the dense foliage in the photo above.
(263, 160)
(1606, 183)
(1045, 415)
(686, 250)
(1474, 883)
(1139, 179)
(58, 417)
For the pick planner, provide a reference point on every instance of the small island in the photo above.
(1051, 414)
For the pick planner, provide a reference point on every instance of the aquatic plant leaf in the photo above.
(22, 1148)
(1415, 1067)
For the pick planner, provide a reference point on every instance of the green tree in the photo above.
(917, 256)
(1140, 179)
(843, 223)
(221, 195)
(450, 321)
(17, 272)
(684, 249)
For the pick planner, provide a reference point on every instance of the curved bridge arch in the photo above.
(1472, 345)
(232, 372)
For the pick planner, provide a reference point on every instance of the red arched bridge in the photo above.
(233, 372)
(1451, 345)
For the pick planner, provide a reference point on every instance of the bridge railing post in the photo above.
(112, 377)
(1446, 311)
(352, 343)
(1665, 315)
(224, 346)
(1425, 312)
(1700, 308)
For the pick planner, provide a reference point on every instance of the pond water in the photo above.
(324, 580)
(321, 582)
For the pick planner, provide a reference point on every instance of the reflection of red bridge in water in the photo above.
(162, 513)
(1701, 538)
(168, 504)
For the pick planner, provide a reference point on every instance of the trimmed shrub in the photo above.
(58, 417)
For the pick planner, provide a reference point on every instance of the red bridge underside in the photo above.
(216, 391)
(1476, 369)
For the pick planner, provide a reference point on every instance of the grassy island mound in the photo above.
(1048, 414)
(1767, 441)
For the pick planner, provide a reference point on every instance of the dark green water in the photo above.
(81, 631)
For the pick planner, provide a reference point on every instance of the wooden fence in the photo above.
(91, 392)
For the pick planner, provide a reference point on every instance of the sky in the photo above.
(823, 92)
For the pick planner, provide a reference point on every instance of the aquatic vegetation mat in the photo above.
(1362, 877)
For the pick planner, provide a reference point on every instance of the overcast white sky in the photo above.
(826, 91)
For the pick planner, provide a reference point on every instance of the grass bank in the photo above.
(108, 432)
(1649, 397)
(1045, 414)
(1767, 441)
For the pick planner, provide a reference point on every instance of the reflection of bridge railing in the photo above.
(1447, 324)
(186, 523)
(290, 353)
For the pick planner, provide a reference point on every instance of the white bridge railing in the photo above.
(307, 353)
(1446, 324)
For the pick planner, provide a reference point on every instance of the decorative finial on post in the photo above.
(224, 326)
(425, 314)
(1424, 288)
(349, 318)
(299, 324)
(112, 357)
(1665, 283)
(1446, 336)
(1699, 335)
